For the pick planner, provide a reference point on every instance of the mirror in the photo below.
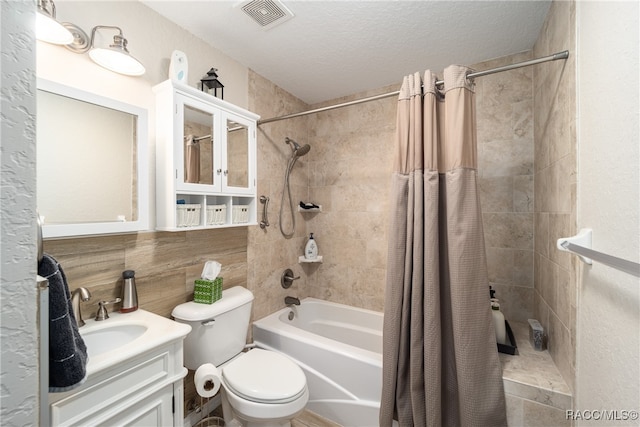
(92, 172)
(198, 146)
(237, 154)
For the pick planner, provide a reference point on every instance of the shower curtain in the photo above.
(440, 361)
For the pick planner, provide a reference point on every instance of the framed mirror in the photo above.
(92, 166)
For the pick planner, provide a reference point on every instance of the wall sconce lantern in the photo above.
(211, 82)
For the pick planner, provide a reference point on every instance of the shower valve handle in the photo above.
(287, 278)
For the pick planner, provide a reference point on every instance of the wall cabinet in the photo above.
(205, 160)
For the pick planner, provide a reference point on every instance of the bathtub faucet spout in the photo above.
(291, 301)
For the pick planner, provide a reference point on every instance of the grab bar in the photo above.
(580, 244)
(265, 220)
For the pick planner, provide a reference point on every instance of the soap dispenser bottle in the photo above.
(311, 249)
(129, 292)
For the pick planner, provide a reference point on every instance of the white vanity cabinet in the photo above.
(205, 160)
(146, 390)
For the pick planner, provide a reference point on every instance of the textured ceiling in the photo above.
(335, 48)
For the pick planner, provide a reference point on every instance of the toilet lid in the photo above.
(265, 376)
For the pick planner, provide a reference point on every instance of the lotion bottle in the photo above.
(311, 249)
(498, 322)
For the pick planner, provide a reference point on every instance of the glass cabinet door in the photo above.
(238, 166)
(200, 165)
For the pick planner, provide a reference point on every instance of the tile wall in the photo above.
(350, 177)
(268, 252)
(555, 182)
(504, 107)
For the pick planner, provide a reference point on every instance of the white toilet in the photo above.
(259, 387)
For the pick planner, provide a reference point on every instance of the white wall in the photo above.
(18, 333)
(608, 341)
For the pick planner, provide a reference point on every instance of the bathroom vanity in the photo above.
(205, 160)
(134, 374)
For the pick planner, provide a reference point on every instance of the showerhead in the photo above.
(301, 151)
(298, 151)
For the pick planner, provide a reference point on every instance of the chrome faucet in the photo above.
(77, 295)
(291, 301)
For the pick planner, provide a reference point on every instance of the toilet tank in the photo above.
(218, 330)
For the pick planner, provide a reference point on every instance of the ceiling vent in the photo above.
(267, 13)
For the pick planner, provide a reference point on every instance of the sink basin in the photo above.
(111, 338)
(124, 336)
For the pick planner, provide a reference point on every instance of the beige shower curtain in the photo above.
(440, 361)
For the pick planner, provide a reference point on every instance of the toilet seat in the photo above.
(264, 376)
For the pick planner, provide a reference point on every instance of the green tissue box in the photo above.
(208, 291)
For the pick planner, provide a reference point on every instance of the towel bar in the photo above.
(580, 244)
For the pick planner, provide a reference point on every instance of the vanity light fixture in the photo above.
(116, 57)
(48, 29)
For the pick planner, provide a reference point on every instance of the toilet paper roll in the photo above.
(207, 380)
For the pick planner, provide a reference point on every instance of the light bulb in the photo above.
(51, 31)
(117, 60)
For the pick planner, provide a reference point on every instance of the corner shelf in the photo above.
(302, 259)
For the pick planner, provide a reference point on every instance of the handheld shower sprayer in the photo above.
(297, 151)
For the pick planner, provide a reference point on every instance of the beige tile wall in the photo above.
(166, 264)
(504, 104)
(555, 182)
(347, 172)
(350, 177)
(268, 252)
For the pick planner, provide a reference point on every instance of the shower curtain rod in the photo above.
(556, 56)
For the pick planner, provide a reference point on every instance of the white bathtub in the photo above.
(340, 350)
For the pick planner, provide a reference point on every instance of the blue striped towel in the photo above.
(67, 350)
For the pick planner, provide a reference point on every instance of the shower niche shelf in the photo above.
(205, 160)
(303, 210)
(303, 260)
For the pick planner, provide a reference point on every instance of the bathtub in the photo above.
(340, 350)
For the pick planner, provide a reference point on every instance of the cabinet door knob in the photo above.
(219, 171)
(226, 172)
